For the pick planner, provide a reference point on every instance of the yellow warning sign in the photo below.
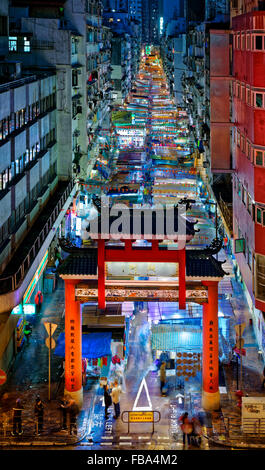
(141, 416)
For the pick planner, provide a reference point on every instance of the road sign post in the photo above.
(50, 343)
(141, 417)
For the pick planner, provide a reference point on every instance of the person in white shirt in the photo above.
(115, 395)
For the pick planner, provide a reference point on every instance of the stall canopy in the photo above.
(94, 345)
(174, 337)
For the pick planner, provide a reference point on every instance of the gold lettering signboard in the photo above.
(141, 416)
(115, 269)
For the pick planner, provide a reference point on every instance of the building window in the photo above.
(258, 157)
(12, 44)
(243, 195)
(4, 128)
(258, 43)
(74, 46)
(4, 178)
(248, 42)
(249, 257)
(253, 212)
(242, 93)
(239, 188)
(260, 277)
(248, 97)
(248, 150)
(259, 100)
(249, 204)
(17, 166)
(33, 149)
(33, 111)
(26, 44)
(238, 138)
(258, 218)
(243, 144)
(74, 78)
(243, 42)
(3, 25)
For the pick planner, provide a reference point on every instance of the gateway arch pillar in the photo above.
(73, 344)
(210, 354)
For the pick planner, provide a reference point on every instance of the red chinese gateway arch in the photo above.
(198, 269)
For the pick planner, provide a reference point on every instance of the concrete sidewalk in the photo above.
(28, 378)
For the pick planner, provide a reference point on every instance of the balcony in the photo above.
(22, 81)
(25, 255)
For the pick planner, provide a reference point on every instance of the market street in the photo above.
(156, 164)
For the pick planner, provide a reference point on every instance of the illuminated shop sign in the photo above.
(35, 279)
(141, 269)
(28, 309)
(161, 25)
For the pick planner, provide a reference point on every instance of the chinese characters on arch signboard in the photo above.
(211, 371)
(72, 356)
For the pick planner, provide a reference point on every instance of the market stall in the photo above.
(96, 353)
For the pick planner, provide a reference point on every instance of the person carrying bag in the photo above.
(186, 428)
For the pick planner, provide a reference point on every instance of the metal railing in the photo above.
(252, 427)
(17, 83)
(51, 425)
(12, 282)
(23, 81)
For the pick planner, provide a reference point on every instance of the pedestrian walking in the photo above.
(17, 418)
(107, 399)
(196, 432)
(73, 413)
(38, 301)
(39, 414)
(27, 330)
(57, 255)
(64, 408)
(235, 271)
(84, 371)
(115, 395)
(263, 382)
(186, 427)
(162, 378)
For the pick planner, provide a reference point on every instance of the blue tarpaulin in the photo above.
(94, 345)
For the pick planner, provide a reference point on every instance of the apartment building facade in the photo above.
(51, 53)
(248, 155)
